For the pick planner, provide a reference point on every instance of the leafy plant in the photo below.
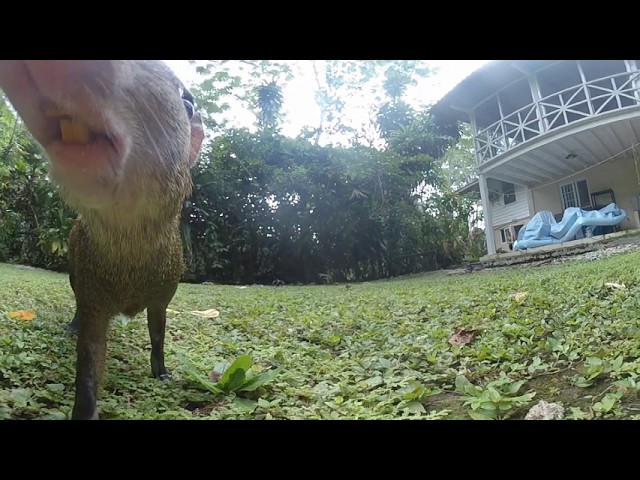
(496, 400)
(235, 377)
(608, 403)
(595, 368)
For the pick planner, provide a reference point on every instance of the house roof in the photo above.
(482, 83)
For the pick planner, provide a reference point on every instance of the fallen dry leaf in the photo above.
(215, 376)
(520, 296)
(23, 314)
(462, 337)
(172, 311)
(211, 313)
(619, 286)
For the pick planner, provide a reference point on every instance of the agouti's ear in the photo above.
(197, 135)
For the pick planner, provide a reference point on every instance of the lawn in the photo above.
(567, 333)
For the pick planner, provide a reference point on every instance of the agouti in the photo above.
(121, 137)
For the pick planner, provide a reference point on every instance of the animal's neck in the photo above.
(123, 234)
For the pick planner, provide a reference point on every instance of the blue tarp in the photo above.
(543, 229)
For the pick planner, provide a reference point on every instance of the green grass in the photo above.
(375, 350)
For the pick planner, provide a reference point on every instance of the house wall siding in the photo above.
(518, 210)
(619, 175)
(516, 213)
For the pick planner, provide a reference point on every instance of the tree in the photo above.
(269, 104)
(254, 84)
(34, 222)
(341, 85)
(458, 163)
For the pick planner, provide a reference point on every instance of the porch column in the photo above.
(488, 218)
(530, 201)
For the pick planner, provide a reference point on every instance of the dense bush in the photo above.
(34, 222)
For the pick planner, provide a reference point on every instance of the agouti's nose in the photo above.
(57, 78)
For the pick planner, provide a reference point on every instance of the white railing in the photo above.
(569, 105)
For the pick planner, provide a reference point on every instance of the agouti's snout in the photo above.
(105, 125)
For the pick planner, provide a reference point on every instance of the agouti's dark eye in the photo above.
(188, 105)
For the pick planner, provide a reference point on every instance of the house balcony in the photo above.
(570, 130)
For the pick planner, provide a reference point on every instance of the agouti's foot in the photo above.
(73, 326)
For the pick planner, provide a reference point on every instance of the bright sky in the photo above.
(300, 107)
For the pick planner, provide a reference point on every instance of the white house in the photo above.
(551, 134)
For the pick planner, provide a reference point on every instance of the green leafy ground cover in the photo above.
(566, 333)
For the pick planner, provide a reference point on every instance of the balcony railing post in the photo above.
(537, 98)
(583, 77)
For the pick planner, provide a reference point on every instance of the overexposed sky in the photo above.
(301, 109)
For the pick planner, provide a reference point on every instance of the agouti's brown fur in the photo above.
(127, 182)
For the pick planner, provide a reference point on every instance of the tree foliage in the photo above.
(458, 162)
(269, 105)
(34, 222)
(270, 207)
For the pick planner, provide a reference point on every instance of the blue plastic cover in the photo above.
(543, 229)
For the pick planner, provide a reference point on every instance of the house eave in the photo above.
(473, 186)
(481, 84)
